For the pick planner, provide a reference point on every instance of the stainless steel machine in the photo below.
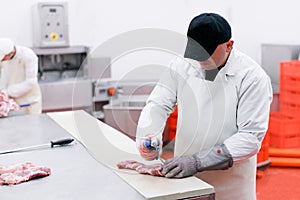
(62, 78)
(71, 77)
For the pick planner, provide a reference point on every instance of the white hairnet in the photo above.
(6, 46)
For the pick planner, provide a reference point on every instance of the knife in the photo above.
(51, 144)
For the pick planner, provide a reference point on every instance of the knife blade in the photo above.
(51, 144)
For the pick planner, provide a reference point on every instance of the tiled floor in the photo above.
(278, 183)
(274, 183)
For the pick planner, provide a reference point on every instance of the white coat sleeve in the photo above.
(255, 97)
(160, 104)
(31, 71)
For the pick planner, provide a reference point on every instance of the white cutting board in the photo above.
(110, 146)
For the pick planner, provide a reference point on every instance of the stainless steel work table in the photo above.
(75, 170)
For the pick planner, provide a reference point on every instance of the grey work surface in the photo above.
(109, 147)
(75, 174)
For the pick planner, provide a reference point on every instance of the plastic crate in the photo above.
(289, 108)
(290, 82)
(172, 134)
(280, 124)
(290, 88)
(284, 142)
(290, 68)
(290, 96)
(263, 154)
(284, 131)
(172, 124)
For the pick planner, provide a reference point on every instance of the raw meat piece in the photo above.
(18, 173)
(11, 168)
(7, 104)
(154, 170)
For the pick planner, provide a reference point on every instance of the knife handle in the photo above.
(147, 143)
(25, 105)
(61, 142)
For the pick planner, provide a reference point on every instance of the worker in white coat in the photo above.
(223, 100)
(19, 70)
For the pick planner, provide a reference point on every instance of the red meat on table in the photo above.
(18, 173)
(153, 170)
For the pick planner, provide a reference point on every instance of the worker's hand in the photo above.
(149, 147)
(180, 167)
(216, 158)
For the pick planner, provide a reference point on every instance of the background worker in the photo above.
(19, 70)
(223, 100)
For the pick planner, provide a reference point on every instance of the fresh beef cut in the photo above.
(18, 173)
(153, 170)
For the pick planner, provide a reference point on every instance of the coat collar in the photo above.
(229, 69)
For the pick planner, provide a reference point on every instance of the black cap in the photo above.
(206, 31)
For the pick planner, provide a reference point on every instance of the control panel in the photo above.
(50, 25)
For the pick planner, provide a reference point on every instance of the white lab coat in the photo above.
(233, 109)
(19, 79)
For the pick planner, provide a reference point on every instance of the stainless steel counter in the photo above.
(75, 174)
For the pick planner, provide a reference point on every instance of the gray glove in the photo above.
(184, 166)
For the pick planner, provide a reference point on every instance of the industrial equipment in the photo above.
(62, 78)
(103, 92)
(50, 25)
(69, 76)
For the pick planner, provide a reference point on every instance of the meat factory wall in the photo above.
(93, 22)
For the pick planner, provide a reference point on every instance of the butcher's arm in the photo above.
(160, 104)
(31, 71)
(252, 119)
